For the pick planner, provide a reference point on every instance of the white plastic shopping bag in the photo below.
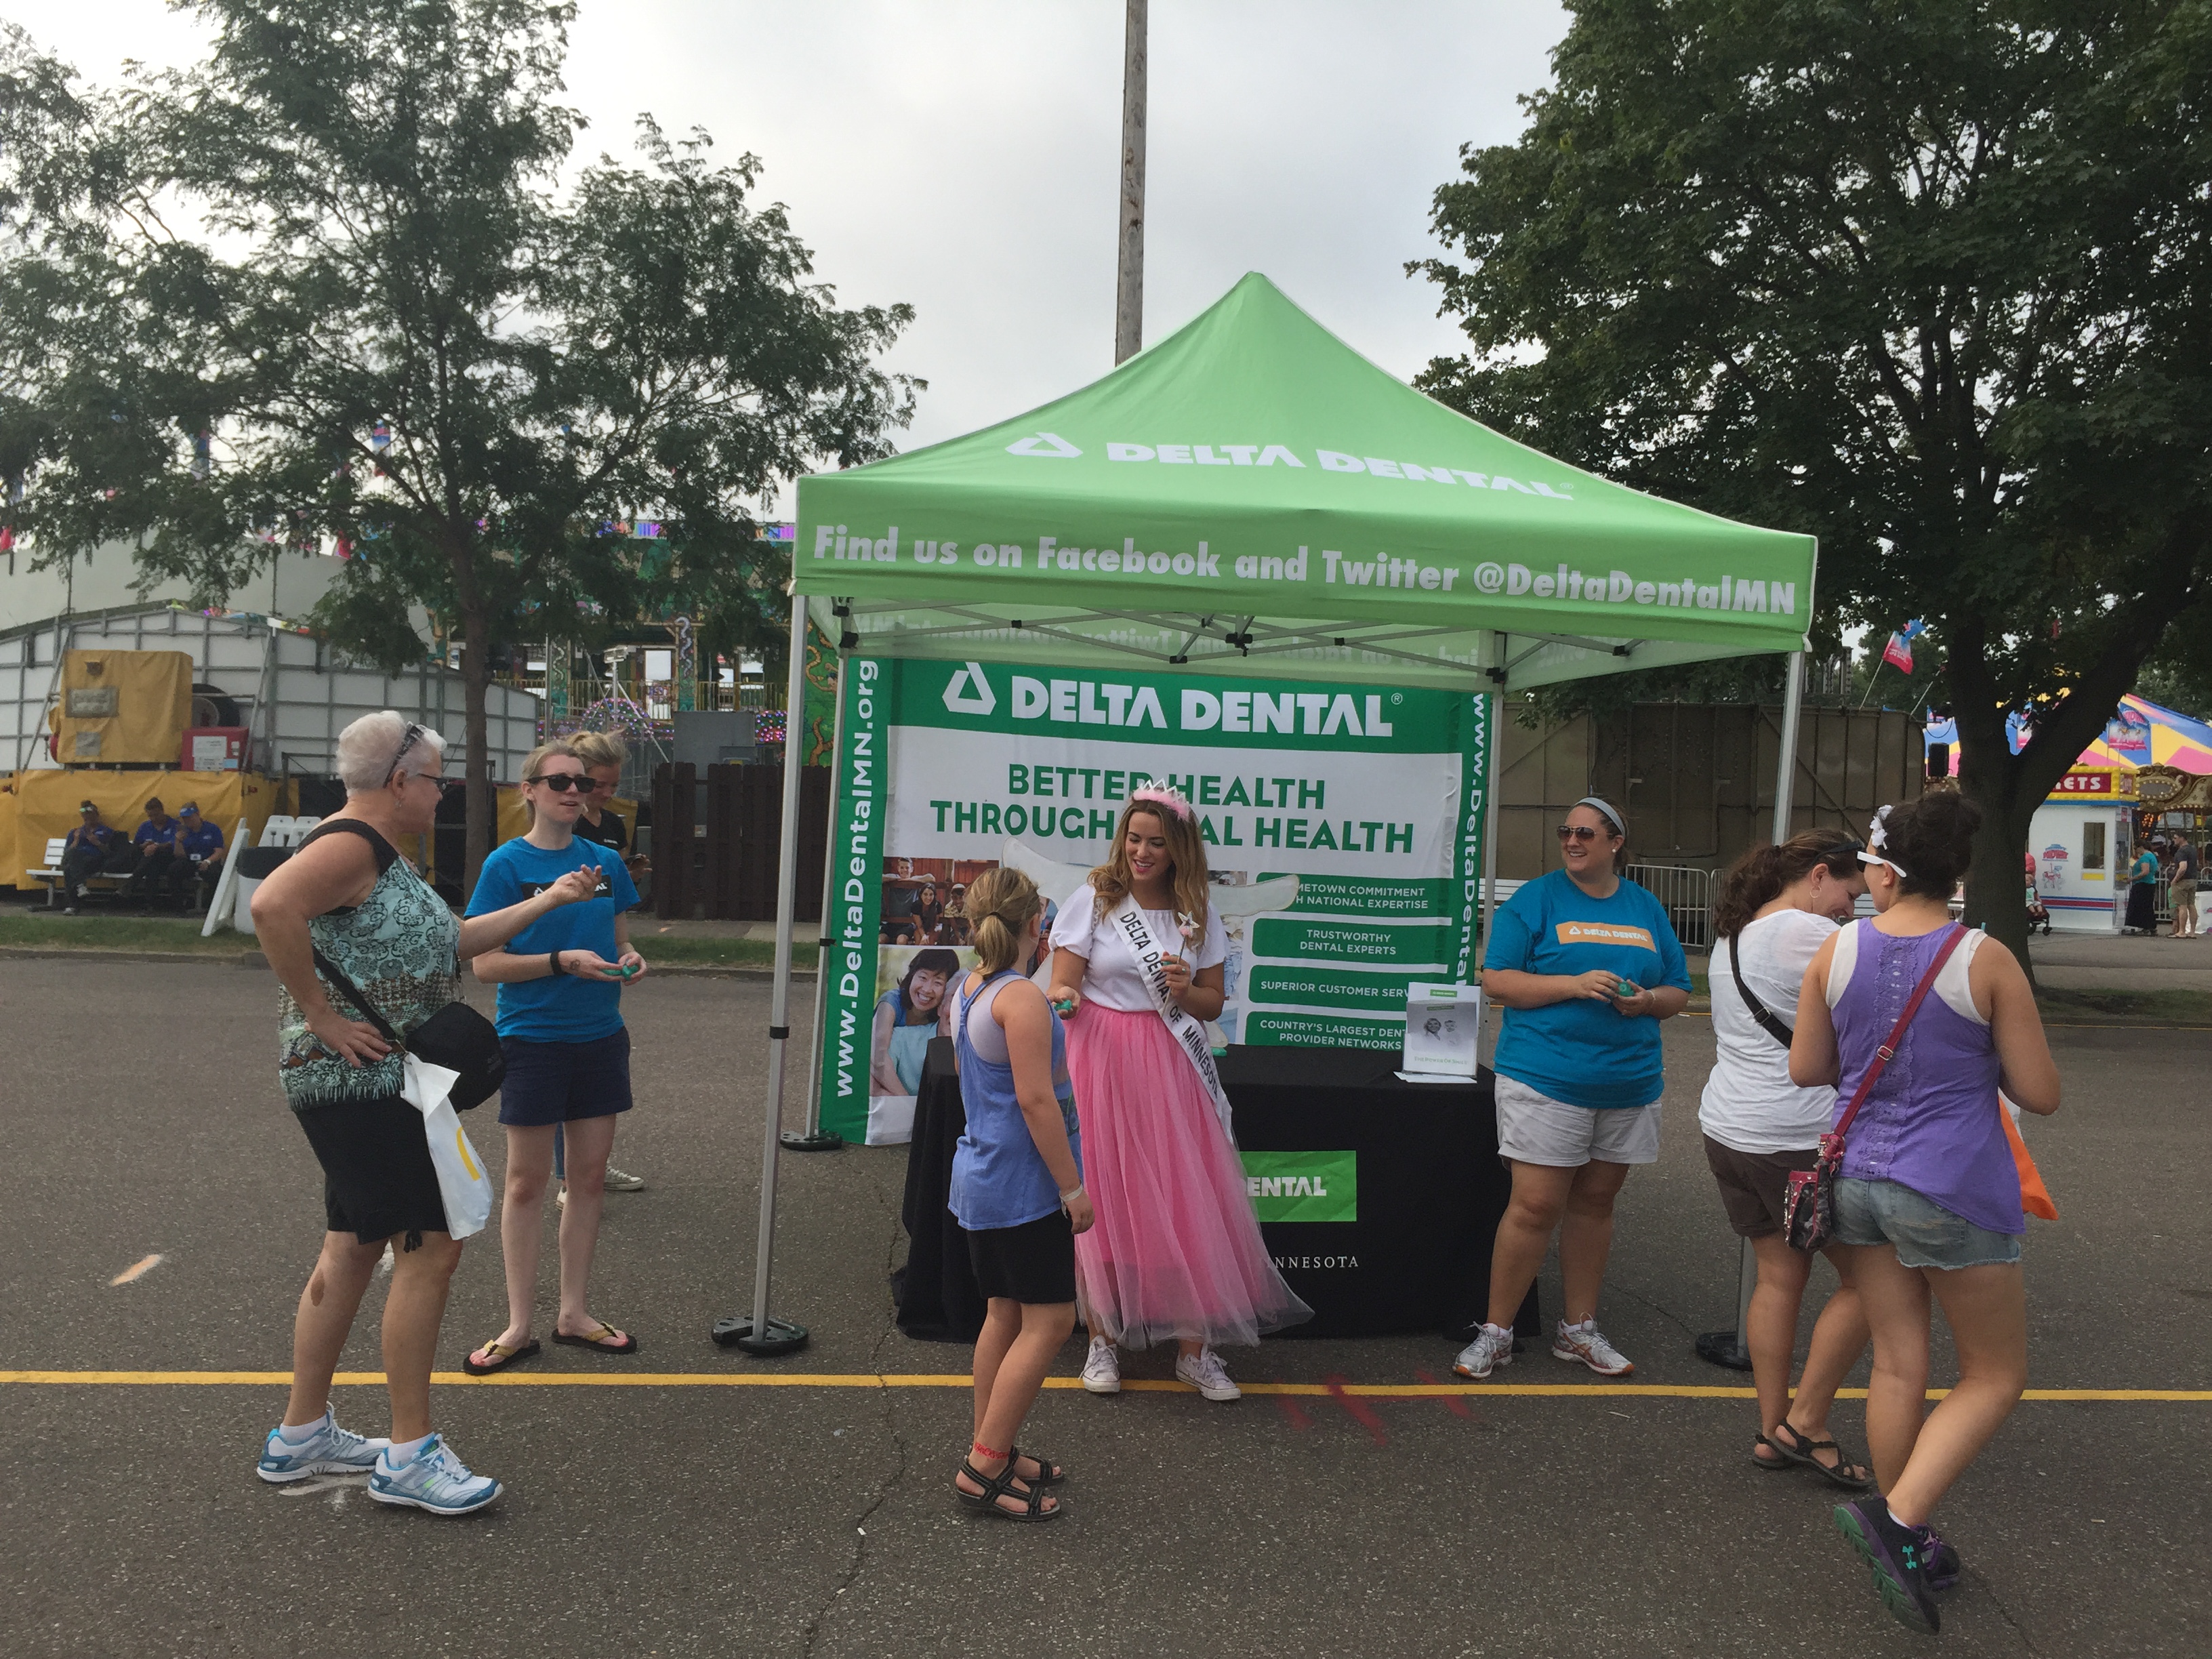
(462, 1183)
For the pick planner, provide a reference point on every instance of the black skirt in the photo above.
(1034, 1262)
(378, 1179)
(2142, 906)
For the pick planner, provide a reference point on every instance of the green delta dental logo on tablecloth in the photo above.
(1342, 826)
(1302, 1186)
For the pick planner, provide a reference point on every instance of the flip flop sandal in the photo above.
(500, 1357)
(1002, 1486)
(1839, 1473)
(628, 1345)
(1049, 1472)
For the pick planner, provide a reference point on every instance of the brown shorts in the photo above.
(1754, 1185)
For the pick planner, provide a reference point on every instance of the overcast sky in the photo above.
(965, 156)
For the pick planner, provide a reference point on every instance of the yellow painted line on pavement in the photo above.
(961, 1380)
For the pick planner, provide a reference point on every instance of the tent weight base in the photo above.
(1717, 1348)
(781, 1337)
(827, 1141)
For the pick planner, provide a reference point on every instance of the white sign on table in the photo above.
(1442, 1025)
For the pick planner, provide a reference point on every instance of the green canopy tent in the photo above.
(1250, 497)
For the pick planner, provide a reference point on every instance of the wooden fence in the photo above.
(717, 841)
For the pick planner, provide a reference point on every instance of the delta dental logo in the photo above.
(1101, 703)
(1302, 1186)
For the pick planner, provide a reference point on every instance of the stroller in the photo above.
(2037, 916)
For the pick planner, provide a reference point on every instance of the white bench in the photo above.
(51, 872)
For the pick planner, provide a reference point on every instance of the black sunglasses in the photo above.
(1578, 832)
(406, 743)
(562, 782)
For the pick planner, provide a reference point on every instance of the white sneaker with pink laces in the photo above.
(1584, 1342)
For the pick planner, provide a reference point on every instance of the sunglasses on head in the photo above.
(1579, 832)
(406, 743)
(562, 782)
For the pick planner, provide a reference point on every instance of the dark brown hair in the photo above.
(1934, 839)
(1758, 878)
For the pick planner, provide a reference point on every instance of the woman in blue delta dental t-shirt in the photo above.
(567, 1050)
(1585, 965)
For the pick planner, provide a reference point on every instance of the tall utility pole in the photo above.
(1129, 288)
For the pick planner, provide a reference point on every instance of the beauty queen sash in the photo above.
(1128, 920)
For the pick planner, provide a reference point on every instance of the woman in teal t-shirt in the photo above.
(1585, 966)
(567, 1051)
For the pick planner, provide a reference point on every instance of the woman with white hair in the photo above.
(348, 894)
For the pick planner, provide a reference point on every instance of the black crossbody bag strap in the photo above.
(1760, 1011)
(331, 971)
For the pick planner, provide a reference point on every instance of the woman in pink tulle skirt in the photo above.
(1176, 1252)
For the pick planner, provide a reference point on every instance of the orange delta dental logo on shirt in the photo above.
(1604, 932)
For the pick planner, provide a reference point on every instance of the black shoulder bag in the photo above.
(457, 1037)
(1766, 1015)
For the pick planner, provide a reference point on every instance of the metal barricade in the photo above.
(1686, 895)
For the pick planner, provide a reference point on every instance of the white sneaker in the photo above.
(331, 1450)
(621, 1181)
(1492, 1347)
(433, 1480)
(1204, 1371)
(1584, 1342)
(562, 1197)
(1102, 1368)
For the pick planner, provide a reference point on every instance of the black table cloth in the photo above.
(1415, 1256)
(1430, 1188)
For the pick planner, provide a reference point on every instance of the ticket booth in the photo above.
(2082, 842)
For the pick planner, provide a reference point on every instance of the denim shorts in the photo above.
(1926, 1234)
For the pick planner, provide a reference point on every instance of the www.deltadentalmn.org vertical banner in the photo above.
(1342, 826)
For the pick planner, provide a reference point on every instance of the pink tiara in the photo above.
(1153, 790)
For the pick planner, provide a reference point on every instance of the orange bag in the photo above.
(2034, 1196)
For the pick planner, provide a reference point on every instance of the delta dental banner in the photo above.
(1342, 826)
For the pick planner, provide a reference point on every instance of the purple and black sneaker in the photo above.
(1942, 1567)
(1897, 1556)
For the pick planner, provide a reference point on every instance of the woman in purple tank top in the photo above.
(1928, 1205)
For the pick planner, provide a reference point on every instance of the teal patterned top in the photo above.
(401, 945)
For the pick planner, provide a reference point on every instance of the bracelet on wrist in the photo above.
(1071, 1194)
(553, 968)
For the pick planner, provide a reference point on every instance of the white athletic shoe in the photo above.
(621, 1181)
(1102, 1368)
(433, 1480)
(1204, 1371)
(1585, 1343)
(332, 1450)
(1492, 1347)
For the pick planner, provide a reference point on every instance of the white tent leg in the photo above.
(812, 1139)
(1732, 1348)
(758, 1334)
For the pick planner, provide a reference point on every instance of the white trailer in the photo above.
(292, 691)
(2081, 839)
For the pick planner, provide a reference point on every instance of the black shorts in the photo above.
(549, 1083)
(1754, 1186)
(378, 1179)
(1034, 1262)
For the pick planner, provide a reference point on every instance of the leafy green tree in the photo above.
(388, 324)
(1927, 278)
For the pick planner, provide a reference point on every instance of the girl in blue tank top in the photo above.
(1017, 1192)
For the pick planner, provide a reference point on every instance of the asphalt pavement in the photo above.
(711, 1512)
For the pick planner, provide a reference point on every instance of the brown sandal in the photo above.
(500, 1359)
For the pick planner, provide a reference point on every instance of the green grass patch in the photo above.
(36, 931)
(2161, 1007)
(675, 952)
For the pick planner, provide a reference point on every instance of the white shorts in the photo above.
(1534, 1128)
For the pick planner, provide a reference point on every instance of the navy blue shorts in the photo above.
(549, 1083)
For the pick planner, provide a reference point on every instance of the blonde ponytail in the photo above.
(1000, 903)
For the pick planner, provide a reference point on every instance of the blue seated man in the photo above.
(199, 856)
(84, 854)
(156, 845)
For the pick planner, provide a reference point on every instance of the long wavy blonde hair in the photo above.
(1112, 880)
